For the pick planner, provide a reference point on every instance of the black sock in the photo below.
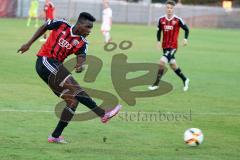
(159, 76)
(84, 98)
(66, 116)
(180, 74)
(59, 129)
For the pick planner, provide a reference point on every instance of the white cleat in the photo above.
(108, 115)
(59, 140)
(186, 83)
(152, 88)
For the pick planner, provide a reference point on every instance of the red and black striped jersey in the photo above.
(170, 28)
(49, 10)
(62, 42)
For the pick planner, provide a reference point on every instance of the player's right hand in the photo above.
(158, 46)
(79, 69)
(24, 48)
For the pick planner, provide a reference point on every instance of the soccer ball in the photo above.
(193, 137)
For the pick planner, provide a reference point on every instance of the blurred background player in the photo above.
(63, 41)
(33, 13)
(49, 14)
(170, 24)
(106, 21)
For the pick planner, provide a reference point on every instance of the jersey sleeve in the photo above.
(110, 13)
(83, 50)
(184, 27)
(158, 23)
(159, 34)
(159, 30)
(55, 23)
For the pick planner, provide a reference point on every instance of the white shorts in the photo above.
(169, 55)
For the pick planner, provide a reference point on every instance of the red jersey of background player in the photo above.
(62, 42)
(170, 28)
(49, 10)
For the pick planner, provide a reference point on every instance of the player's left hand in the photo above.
(185, 42)
(158, 46)
(24, 48)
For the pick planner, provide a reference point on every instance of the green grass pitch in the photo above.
(211, 61)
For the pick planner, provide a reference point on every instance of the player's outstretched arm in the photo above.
(38, 34)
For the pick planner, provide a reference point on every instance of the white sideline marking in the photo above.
(27, 111)
(42, 111)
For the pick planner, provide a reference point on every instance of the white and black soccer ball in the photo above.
(193, 137)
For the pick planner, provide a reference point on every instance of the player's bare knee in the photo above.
(161, 65)
(173, 66)
(69, 97)
(71, 102)
(72, 85)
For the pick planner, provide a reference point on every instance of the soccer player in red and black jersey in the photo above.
(49, 13)
(49, 10)
(63, 41)
(170, 25)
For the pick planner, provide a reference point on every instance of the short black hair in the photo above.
(171, 2)
(86, 16)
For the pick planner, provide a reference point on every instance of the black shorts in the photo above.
(169, 53)
(52, 73)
